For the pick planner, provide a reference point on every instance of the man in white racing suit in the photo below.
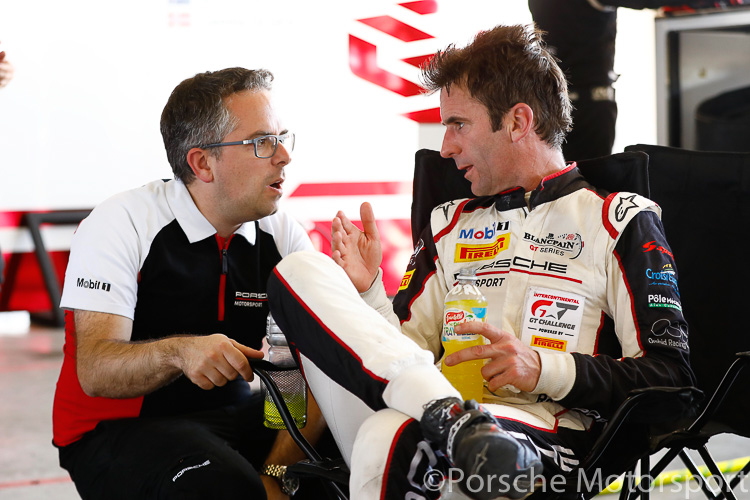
(583, 303)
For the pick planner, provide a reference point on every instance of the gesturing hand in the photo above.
(6, 70)
(511, 362)
(214, 360)
(357, 252)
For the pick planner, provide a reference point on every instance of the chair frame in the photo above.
(333, 472)
(692, 437)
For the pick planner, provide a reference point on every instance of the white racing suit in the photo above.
(559, 268)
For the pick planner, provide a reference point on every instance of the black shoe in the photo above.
(493, 462)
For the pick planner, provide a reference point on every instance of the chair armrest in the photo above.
(647, 406)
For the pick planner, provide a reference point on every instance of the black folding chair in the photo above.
(705, 198)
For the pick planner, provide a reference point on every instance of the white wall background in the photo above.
(80, 121)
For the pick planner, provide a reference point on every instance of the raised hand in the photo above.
(6, 70)
(357, 252)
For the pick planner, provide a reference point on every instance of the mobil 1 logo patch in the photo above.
(93, 285)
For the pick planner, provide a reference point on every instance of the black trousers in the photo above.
(208, 455)
(593, 133)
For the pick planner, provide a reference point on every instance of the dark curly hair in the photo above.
(502, 67)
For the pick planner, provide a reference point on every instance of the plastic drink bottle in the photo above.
(290, 382)
(464, 303)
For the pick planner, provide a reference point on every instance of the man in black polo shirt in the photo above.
(165, 295)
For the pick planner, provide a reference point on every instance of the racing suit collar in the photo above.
(550, 188)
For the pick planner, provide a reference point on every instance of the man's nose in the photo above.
(282, 155)
(449, 146)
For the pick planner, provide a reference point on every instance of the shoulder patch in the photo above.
(620, 208)
(445, 216)
(446, 209)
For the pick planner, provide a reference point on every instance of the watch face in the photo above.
(290, 485)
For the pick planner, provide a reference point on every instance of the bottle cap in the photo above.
(271, 326)
(276, 339)
(467, 273)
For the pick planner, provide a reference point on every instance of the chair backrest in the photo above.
(705, 200)
(437, 180)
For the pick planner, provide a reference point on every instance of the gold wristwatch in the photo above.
(289, 485)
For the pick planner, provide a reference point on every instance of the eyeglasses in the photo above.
(265, 146)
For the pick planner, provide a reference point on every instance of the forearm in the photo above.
(121, 369)
(110, 365)
(603, 382)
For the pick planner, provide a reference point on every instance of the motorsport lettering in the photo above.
(249, 299)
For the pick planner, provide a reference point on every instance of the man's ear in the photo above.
(521, 119)
(198, 158)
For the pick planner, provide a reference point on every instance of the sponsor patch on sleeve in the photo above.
(406, 280)
(620, 208)
(91, 284)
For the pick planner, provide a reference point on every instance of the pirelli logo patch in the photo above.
(406, 280)
(555, 345)
(470, 253)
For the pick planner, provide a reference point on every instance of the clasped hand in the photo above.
(214, 360)
(511, 362)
